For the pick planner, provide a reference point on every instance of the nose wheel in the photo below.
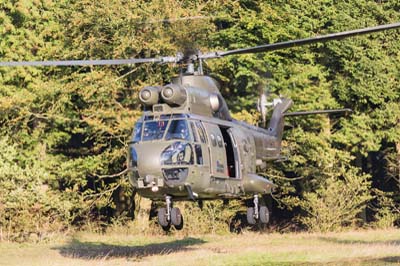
(257, 213)
(170, 216)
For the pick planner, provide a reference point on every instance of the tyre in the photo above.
(250, 216)
(166, 228)
(162, 218)
(177, 218)
(264, 215)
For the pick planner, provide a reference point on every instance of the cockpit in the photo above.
(166, 127)
(174, 130)
(172, 141)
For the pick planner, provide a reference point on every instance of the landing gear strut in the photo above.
(170, 216)
(257, 213)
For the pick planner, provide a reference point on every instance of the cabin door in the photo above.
(232, 152)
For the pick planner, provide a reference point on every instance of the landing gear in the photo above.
(176, 218)
(257, 213)
(163, 220)
(170, 216)
(264, 215)
(251, 216)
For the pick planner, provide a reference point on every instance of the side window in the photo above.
(213, 141)
(137, 134)
(199, 154)
(194, 132)
(202, 133)
(219, 140)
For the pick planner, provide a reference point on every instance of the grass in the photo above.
(371, 247)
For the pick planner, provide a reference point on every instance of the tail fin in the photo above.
(276, 123)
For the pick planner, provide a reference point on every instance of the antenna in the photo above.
(190, 68)
(200, 67)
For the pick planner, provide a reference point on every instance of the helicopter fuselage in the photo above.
(193, 149)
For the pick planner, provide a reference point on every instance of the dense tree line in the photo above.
(64, 130)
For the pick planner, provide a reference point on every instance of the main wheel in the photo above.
(177, 218)
(264, 215)
(162, 219)
(250, 216)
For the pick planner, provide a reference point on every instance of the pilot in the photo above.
(160, 128)
(185, 156)
(182, 130)
(180, 156)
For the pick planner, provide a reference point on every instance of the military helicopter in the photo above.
(186, 145)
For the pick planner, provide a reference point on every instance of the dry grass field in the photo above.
(371, 247)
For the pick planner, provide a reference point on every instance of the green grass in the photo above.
(372, 247)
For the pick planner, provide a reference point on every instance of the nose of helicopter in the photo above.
(154, 165)
(146, 158)
(145, 166)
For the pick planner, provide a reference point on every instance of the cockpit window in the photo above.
(167, 116)
(177, 153)
(154, 129)
(193, 132)
(178, 129)
(179, 116)
(137, 133)
(201, 132)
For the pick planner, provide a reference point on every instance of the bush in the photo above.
(214, 217)
(338, 202)
(28, 208)
(387, 213)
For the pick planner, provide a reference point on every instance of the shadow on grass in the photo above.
(394, 259)
(96, 250)
(349, 241)
(390, 260)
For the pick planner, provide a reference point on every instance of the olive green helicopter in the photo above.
(186, 145)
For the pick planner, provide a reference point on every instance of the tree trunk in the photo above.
(398, 163)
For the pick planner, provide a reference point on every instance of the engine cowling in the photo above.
(173, 94)
(150, 95)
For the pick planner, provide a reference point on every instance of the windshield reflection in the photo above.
(137, 132)
(177, 153)
(150, 129)
(154, 130)
(178, 129)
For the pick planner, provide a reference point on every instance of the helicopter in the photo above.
(186, 145)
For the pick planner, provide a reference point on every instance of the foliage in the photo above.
(27, 203)
(337, 203)
(215, 217)
(387, 211)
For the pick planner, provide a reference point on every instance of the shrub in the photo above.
(337, 202)
(387, 213)
(28, 208)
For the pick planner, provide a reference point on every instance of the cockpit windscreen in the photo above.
(178, 129)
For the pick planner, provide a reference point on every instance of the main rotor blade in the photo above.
(100, 62)
(316, 112)
(299, 42)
